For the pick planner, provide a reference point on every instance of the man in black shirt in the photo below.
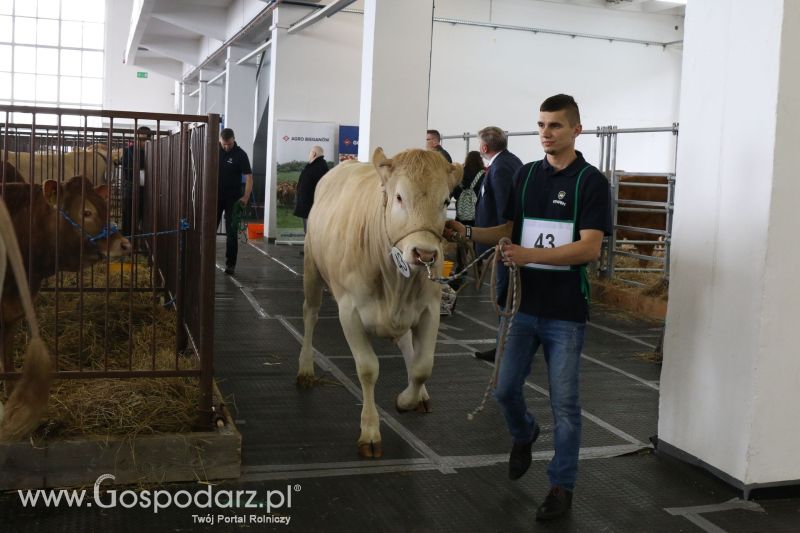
(433, 142)
(133, 181)
(233, 164)
(557, 216)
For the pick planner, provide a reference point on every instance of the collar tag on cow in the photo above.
(401, 264)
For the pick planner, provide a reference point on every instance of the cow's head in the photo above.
(81, 204)
(417, 186)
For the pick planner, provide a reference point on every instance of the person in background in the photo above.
(133, 181)
(501, 165)
(433, 142)
(556, 217)
(307, 183)
(233, 164)
(466, 195)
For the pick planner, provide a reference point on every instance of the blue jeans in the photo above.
(561, 341)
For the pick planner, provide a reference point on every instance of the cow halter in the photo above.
(107, 230)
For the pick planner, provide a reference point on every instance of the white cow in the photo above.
(361, 212)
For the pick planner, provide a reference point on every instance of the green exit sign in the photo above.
(141, 74)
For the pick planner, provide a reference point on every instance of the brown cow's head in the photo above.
(9, 173)
(81, 204)
(417, 186)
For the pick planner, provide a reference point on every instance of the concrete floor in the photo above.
(440, 471)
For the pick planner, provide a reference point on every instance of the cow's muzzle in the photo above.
(424, 257)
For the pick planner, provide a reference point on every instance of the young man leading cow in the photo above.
(556, 219)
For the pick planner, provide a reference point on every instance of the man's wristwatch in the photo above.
(468, 232)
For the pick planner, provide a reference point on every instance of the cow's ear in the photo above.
(456, 173)
(50, 190)
(102, 191)
(382, 165)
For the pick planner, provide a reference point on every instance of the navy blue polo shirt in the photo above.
(232, 165)
(550, 194)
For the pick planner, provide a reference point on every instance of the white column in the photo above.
(279, 79)
(202, 96)
(189, 103)
(730, 383)
(239, 93)
(395, 75)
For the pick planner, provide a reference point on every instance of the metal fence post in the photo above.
(208, 269)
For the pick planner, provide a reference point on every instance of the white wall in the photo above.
(730, 383)
(324, 69)
(239, 14)
(122, 90)
(481, 76)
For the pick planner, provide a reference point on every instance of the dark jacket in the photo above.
(444, 153)
(497, 186)
(307, 184)
(129, 164)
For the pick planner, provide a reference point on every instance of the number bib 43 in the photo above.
(542, 233)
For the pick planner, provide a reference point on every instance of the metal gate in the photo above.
(173, 215)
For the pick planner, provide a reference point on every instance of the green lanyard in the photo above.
(584, 276)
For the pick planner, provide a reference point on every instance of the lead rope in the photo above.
(513, 297)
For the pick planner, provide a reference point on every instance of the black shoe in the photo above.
(556, 504)
(230, 270)
(488, 355)
(520, 458)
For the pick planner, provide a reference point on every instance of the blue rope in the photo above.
(111, 229)
(105, 232)
(184, 225)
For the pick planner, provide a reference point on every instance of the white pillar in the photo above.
(395, 75)
(277, 89)
(730, 383)
(189, 103)
(239, 94)
(202, 96)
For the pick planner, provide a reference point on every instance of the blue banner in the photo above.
(348, 142)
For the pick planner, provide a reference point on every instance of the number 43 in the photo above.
(540, 241)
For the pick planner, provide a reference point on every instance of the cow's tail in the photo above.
(28, 401)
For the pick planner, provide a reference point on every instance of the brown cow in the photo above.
(28, 402)
(285, 193)
(57, 212)
(10, 174)
(657, 221)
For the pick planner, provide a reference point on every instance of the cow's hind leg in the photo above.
(420, 366)
(406, 345)
(369, 443)
(312, 289)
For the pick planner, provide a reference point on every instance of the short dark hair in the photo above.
(563, 102)
(226, 134)
(144, 130)
(494, 138)
(436, 134)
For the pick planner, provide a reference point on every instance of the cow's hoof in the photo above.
(423, 406)
(305, 381)
(370, 450)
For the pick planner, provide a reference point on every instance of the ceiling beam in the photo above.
(185, 50)
(329, 10)
(203, 20)
(142, 18)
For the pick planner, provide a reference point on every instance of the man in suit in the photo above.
(501, 165)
